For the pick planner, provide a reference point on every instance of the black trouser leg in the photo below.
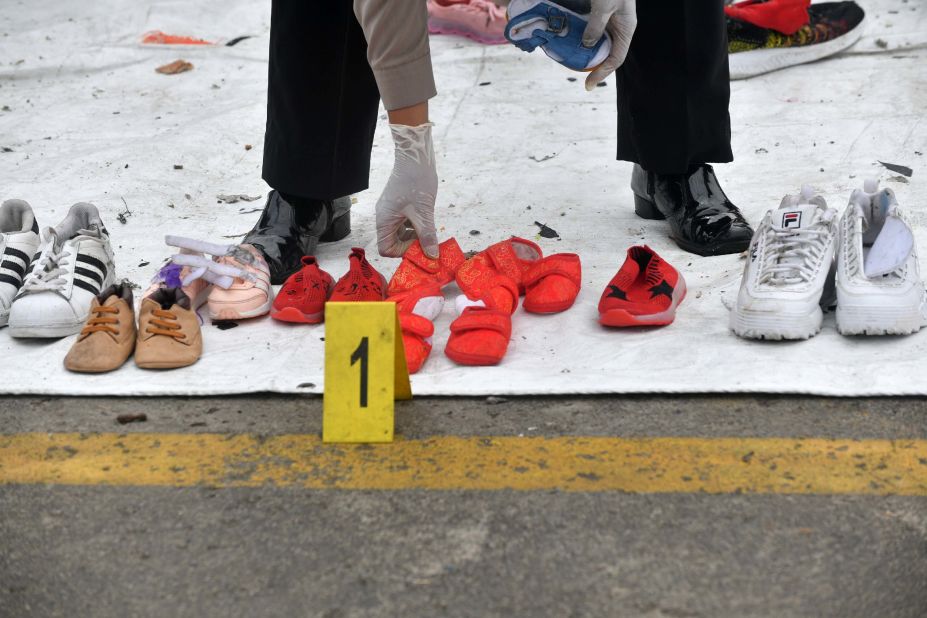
(674, 87)
(321, 101)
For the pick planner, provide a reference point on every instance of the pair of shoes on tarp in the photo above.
(493, 282)
(167, 337)
(804, 259)
(304, 294)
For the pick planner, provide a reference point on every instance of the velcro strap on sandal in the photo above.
(412, 324)
(564, 264)
(452, 257)
(416, 256)
(506, 262)
(480, 318)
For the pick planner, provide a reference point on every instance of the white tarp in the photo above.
(87, 119)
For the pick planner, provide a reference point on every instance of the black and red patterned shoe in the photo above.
(645, 291)
(303, 295)
(767, 35)
(362, 282)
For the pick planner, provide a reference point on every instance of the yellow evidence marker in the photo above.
(365, 372)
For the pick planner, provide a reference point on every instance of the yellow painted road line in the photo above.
(637, 465)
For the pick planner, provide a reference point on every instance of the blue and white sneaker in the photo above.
(557, 30)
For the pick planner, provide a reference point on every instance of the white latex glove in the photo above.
(619, 18)
(409, 195)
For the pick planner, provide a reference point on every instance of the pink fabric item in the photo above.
(480, 20)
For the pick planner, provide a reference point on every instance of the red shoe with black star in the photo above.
(645, 291)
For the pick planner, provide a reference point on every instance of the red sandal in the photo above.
(553, 283)
(512, 258)
(480, 335)
(417, 309)
(417, 268)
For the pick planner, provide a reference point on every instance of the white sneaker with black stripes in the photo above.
(74, 264)
(19, 240)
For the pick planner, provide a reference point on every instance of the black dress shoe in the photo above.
(702, 219)
(286, 232)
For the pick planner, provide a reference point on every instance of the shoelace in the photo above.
(229, 264)
(164, 323)
(101, 322)
(49, 274)
(791, 255)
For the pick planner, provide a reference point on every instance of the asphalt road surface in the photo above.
(189, 538)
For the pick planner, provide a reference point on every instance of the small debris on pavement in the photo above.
(881, 43)
(544, 158)
(306, 385)
(178, 166)
(546, 232)
(172, 68)
(236, 197)
(474, 232)
(156, 37)
(6, 149)
(904, 170)
(248, 146)
(124, 419)
(143, 264)
(493, 400)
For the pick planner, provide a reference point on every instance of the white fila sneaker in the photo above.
(74, 264)
(791, 258)
(879, 287)
(19, 240)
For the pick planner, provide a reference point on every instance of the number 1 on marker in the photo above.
(362, 354)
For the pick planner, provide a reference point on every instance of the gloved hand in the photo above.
(410, 194)
(619, 18)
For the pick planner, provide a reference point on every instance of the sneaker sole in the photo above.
(294, 315)
(45, 331)
(164, 364)
(880, 320)
(233, 314)
(748, 64)
(621, 318)
(776, 327)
